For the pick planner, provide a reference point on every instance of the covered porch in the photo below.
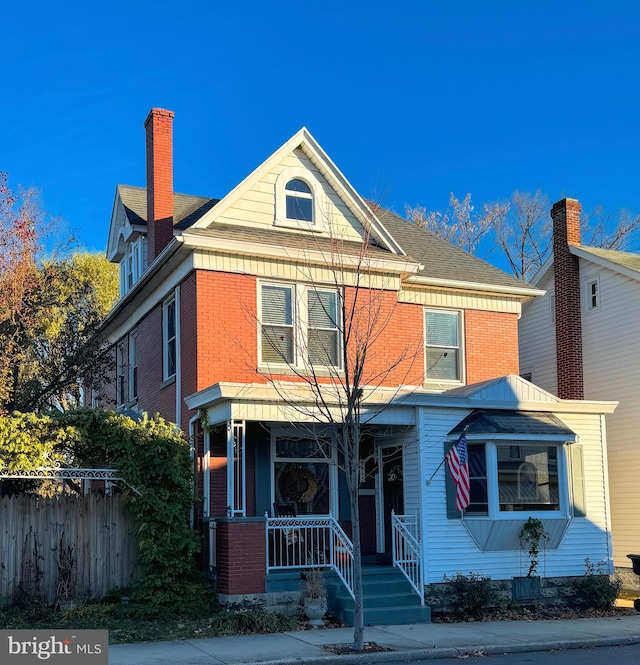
(275, 498)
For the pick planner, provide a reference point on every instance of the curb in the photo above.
(455, 652)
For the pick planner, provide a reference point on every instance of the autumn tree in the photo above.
(50, 309)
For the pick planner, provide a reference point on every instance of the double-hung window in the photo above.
(277, 316)
(322, 331)
(443, 349)
(169, 328)
(299, 326)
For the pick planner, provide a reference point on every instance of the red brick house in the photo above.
(229, 304)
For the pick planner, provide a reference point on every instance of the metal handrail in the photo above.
(406, 550)
(310, 541)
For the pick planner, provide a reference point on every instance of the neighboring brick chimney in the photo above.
(159, 126)
(566, 231)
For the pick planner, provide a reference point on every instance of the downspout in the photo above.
(192, 454)
(178, 362)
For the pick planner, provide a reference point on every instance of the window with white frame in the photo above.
(120, 374)
(299, 325)
(443, 349)
(593, 294)
(515, 477)
(299, 201)
(133, 263)
(169, 338)
(133, 368)
(303, 478)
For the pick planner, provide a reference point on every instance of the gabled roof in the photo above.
(440, 264)
(626, 263)
(510, 388)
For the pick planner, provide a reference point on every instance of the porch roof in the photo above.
(540, 424)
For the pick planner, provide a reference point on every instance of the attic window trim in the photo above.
(283, 192)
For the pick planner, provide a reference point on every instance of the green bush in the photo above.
(596, 589)
(471, 595)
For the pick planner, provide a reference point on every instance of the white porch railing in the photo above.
(310, 541)
(406, 550)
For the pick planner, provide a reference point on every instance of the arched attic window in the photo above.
(299, 201)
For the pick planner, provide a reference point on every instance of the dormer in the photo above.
(128, 235)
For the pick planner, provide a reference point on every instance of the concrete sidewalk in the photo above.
(412, 642)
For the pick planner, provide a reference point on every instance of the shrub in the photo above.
(471, 595)
(596, 589)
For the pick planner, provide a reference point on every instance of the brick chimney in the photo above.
(566, 231)
(159, 127)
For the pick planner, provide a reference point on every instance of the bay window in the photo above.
(508, 477)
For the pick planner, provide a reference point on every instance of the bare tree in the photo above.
(460, 225)
(348, 358)
(524, 233)
(521, 227)
(601, 229)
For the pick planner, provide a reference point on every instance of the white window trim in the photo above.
(461, 349)
(120, 374)
(280, 218)
(135, 256)
(300, 328)
(491, 453)
(133, 353)
(165, 340)
(589, 282)
(282, 433)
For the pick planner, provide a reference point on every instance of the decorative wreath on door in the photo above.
(298, 484)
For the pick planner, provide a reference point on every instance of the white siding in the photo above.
(257, 206)
(612, 371)
(537, 339)
(448, 546)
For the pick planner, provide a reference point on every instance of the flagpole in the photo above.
(436, 471)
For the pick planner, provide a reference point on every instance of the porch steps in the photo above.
(388, 599)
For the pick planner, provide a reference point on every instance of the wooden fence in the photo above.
(73, 546)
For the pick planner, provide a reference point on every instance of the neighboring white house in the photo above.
(592, 309)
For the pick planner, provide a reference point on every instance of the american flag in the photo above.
(458, 463)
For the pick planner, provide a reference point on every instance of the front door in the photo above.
(391, 488)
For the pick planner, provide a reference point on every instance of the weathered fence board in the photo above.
(94, 531)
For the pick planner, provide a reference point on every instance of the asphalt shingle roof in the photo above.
(513, 422)
(187, 209)
(624, 259)
(440, 259)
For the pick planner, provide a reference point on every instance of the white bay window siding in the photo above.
(299, 325)
(452, 543)
(443, 352)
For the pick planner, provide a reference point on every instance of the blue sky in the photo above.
(411, 99)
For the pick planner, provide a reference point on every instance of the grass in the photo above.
(131, 623)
